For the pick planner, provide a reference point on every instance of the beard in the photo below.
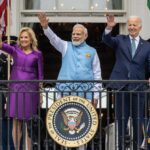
(77, 43)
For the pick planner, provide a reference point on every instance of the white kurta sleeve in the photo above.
(97, 76)
(57, 42)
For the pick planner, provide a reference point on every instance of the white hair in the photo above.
(81, 26)
(136, 17)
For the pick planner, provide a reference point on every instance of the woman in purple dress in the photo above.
(23, 99)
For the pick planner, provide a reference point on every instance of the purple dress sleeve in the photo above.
(8, 48)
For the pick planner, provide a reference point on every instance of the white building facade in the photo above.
(24, 12)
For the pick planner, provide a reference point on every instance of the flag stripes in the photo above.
(3, 14)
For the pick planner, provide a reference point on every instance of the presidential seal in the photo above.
(72, 121)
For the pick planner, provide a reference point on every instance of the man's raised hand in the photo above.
(110, 21)
(43, 20)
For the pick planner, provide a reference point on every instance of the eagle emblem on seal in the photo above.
(72, 120)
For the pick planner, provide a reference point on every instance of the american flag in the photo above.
(3, 14)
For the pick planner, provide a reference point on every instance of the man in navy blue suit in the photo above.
(132, 63)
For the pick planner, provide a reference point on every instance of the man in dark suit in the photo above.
(132, 63)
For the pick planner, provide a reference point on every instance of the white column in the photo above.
(14, 18)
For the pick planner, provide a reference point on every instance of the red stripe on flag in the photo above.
(3, 14)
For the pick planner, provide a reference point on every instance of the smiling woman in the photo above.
(28, 65)
(27, 40)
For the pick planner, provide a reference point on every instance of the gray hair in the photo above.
(136, 17)
(81, 26)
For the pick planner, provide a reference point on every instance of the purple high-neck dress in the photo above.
(23, 98)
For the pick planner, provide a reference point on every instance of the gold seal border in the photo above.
(74, 143)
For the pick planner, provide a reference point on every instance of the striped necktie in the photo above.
(133, 45)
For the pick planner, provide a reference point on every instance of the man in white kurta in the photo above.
(79, 60)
